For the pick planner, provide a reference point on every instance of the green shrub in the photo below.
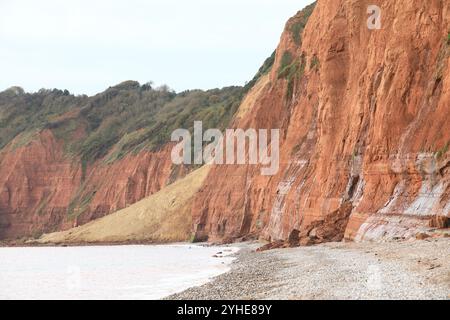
(80, 203)
(296, 30)
(192, 238)
(299, 23)
(440, 153)
(315, 64)
(285, 64)
(292, 72)
(263, 70)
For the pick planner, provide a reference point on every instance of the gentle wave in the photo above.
(108, 272)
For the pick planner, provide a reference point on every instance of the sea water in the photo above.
(108, 272)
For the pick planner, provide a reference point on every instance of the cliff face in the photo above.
(67, 160)
(364, 116)
(43, 190)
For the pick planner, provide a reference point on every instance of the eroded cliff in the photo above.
(364, 116)
(66, 160)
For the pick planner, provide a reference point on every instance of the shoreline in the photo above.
(417, 269)
(34, 243)
(412, 269)
(81, 244)
(115, 272)
(114, 244)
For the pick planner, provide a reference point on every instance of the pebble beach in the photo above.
(390, 270)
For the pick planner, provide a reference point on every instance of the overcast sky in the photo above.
(86, 46)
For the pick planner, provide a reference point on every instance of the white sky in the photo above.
(86, 46)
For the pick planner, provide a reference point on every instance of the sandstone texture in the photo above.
(43, 190)
(364, 116)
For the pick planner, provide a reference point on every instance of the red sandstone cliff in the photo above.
(364, 138)
(364, 116)
(43, 190)
(66, 160)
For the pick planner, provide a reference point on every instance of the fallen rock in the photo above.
(422, 236)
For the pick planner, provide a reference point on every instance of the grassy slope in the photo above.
(162, 217)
